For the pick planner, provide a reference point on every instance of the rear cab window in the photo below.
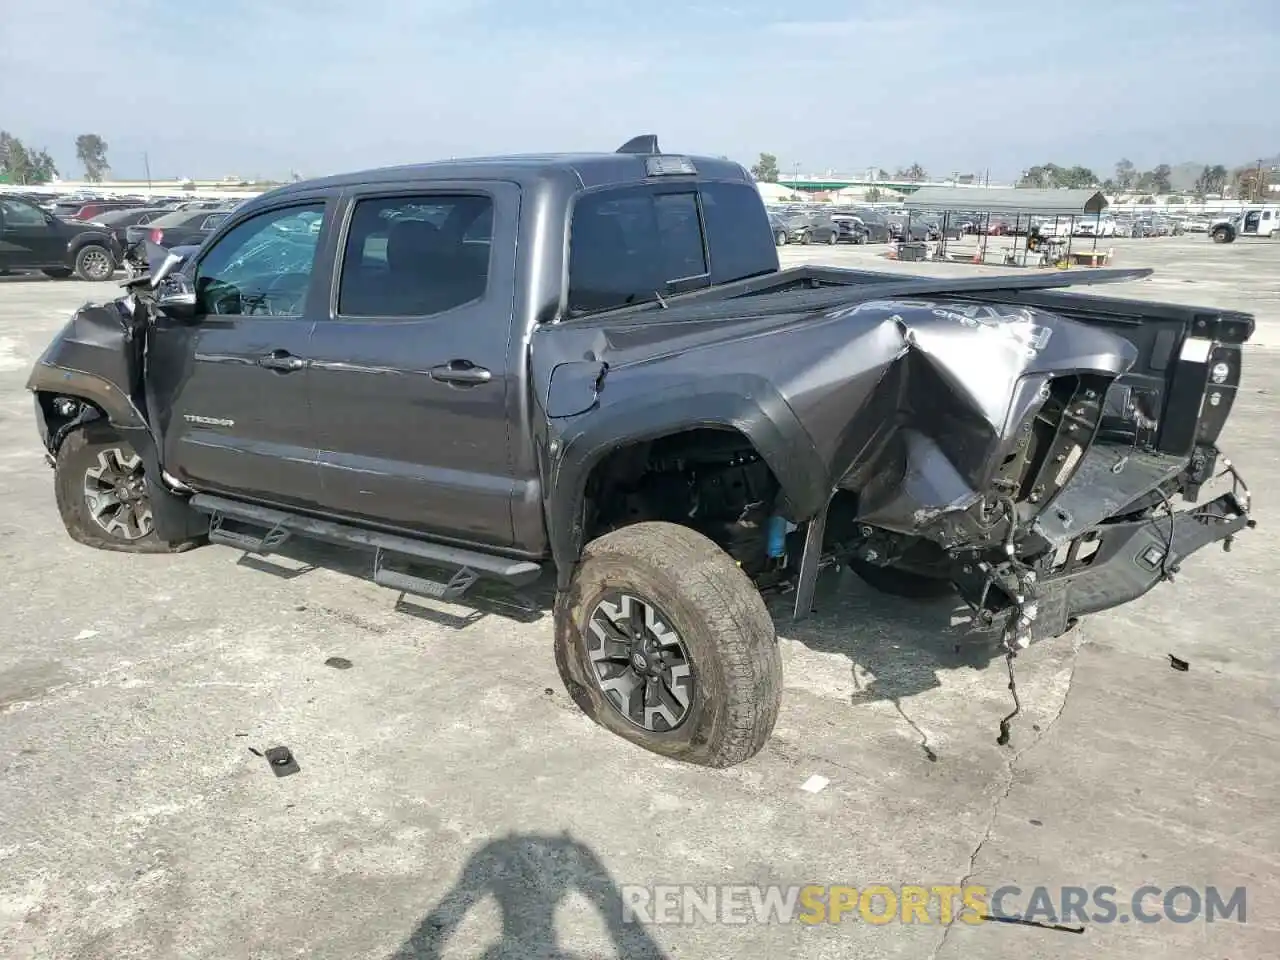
(634, 244)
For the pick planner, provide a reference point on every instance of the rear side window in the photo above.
(633, 245)
(415, 256)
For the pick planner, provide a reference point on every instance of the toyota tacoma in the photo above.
(592, 366)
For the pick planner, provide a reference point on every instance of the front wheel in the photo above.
(1223, 235)
(95, 263)
(833, 238)
(780, 238)
(663, 640)
(804, 239)
(102, 493)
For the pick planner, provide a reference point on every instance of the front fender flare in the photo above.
(102, 393)
(747, 404)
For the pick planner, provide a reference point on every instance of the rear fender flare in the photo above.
(746, 404)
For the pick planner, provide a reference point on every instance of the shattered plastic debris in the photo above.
(815, 784)
(338, 663)
(1178, 663)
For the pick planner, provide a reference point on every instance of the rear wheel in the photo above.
(833, 238)
(102, 493)
(95, 263)
(664, 641)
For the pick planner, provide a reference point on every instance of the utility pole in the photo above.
(1257, 183)
(146, 164)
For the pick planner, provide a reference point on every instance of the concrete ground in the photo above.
(452, 801)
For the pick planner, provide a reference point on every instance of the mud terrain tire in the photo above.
(707, 615)
(87, 456)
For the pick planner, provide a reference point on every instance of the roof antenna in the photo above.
(646, 143)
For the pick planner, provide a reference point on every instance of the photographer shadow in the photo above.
(528, 875)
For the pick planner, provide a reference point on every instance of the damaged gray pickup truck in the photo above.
(592, 366)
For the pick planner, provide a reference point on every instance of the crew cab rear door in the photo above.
(409, 377)
(226, 389)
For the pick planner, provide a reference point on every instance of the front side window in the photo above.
(262, 266)
(415, 256)
(19, 214)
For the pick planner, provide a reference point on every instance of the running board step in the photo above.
(269, 540)
(452, 589)
(278, 526)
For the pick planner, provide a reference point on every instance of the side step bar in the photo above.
(271, 529)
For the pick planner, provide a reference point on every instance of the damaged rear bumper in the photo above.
(1130, 558)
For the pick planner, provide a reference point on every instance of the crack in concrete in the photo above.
(1010, 776)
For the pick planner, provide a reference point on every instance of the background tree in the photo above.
(91, 151)
(1147, 200)
(766, 171)
(874, 195)
(883, 174)
(1217, 178)
(914, 172)
(1160, 178)
(1175, 199)
(42, 168)
(22, 165)
(14, 163)
(1126, 175)
(1250, 183)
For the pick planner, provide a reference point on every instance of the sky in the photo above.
(263, 89)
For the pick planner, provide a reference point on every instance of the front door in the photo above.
(27, 238)
(409, 376)
(227, 389)
(1251, 220)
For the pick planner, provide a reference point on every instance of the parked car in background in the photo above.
(803, 226)
(178, 228)
(1196, 225)
(1261, 221)
(1095, 227)
(87, 210)
(905, 227)
(876, 224)
(119, 221)
(34, 239)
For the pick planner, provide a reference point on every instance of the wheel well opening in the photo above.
(710, 479)
(62, 412)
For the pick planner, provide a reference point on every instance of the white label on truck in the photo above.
(1195, 351)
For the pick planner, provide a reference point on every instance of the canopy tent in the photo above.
(1007, 200)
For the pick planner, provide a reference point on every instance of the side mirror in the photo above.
(176, 297)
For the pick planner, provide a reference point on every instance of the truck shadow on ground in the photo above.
(896, 647)
(528, 875)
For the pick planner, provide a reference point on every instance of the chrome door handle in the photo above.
(282, 361)
(462, 372)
